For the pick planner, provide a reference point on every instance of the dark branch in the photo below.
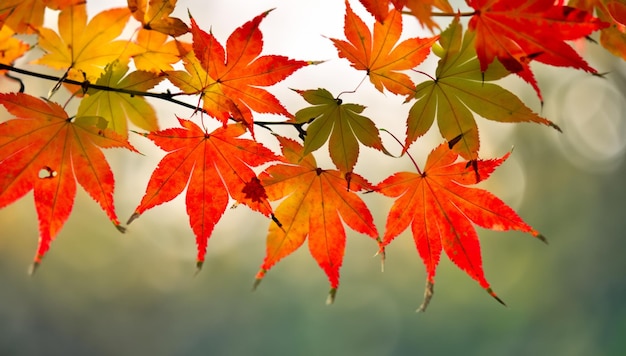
(22, 87)
(87, 85)
(167, 96)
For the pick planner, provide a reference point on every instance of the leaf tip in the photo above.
(331, 296)
(268, 11)
(495, 296)
(381, 252)
(429, 291)
(299, 91)
(120, 228)
(256, 283)
(542, 238)
(275, 220)
(600, 75)
(454, 141)
(199, 265)
(133, 217)
(313, 63)
(258, 278)
(34, 266)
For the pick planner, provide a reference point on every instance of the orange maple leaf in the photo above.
(212, 166)
(519, 31)
(379, 55)
(10, 47)
(45, 150)
(441, 209)
(229, 81)
(315, 203)
(612, 37)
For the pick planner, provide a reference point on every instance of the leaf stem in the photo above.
(426, 74)
(353, 90)
(407, 152)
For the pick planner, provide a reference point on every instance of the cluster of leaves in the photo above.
(45, 149)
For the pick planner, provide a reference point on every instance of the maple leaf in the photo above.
(154, 15)
(441, 209)
(10, 47)
(85, 48)
(315, 203)
(342, 123)
(117, 107)
(156, 54)
(519, 31)
(14, 16)
(380, 57)
(25, 16)
(61, 4)
(43, 149)
(460, 88)
(613, 12)
(212, 166)
(380, 8)
(229, 81)
(22, 16)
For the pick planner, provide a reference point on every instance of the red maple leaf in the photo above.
(315, 204)
(518, 31)
(45, 150)
(380, 8)
(441, 209)
(213, 166)
(230, 80)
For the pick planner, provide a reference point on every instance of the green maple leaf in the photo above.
(342, 123)
(459, 89)
(118, 107)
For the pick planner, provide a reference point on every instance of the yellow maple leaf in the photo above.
(85, 49)
(156, 54)
(25, 16)
(22, 16)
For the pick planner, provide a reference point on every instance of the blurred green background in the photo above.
(102, 293)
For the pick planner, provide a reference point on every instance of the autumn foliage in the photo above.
(46, 149)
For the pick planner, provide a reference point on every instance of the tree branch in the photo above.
(88, 85)
(167, 96)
